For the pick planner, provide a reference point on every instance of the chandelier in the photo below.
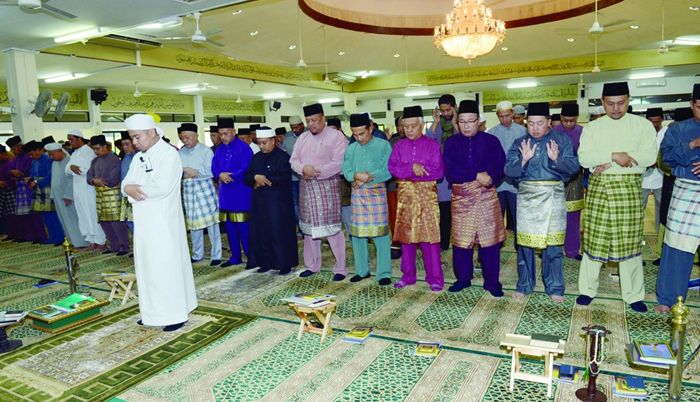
(470, 30)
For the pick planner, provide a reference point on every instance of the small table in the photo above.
(321, 315)
(8, 345)
(121, 285)
(520, 344)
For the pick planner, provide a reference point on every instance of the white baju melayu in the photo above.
(84, 196)
(161, 254)
(62, 189)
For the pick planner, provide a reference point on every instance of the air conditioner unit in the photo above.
(342, 78)
(651, 83)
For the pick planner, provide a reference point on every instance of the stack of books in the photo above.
(310, 299)
(629, 386)
(47, 312)
(73, 302)
(358, 335)
(566, 374)
(427, 349)
(651, 354)
(10, 317)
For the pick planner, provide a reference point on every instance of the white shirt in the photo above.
(653, 178)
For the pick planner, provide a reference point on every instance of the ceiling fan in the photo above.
(198, 36)
(137, 92)
(39, 5)
(597, 28)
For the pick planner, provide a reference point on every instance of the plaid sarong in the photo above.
(23, 198)
(683, 222)
(613, 222)
(417, 215)
(109, 204)
(541, 211)
(200, 202)
(41, 200)
(7, 202)
(476, 216)
(319, 207)
(574, 193)
(369, 211)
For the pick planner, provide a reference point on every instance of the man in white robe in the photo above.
(161, 254)
(84, 194)
(62, 194)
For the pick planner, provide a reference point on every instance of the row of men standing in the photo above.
(71, 192)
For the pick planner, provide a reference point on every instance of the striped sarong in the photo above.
(126, 212)
(574, 193)
(23, 198)
(683, 222)
(369, 210)
(200, 202)
(541, 211)
(41, 200)
(612, 224)
(319, 207)
(417, 214)
(109, 204)
(476, 216)
(7, 202)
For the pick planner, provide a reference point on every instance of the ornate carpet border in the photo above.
(128, 374)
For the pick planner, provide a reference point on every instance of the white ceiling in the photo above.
(35, 30)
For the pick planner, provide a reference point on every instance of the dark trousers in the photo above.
(117, 233)
(445, 223)
(552, 270)
(674, 273)
(489, 257)
(508, 207)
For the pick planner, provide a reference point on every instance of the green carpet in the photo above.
(103, 358)
(264, 361)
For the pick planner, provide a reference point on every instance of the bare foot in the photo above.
(557, 298)
(662, 308)
(519, 296)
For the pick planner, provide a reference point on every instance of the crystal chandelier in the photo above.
(470, 30)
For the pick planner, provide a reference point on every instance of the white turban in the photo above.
(264, 133)
(76, 133)
(160, 132)
(504, 105)
(140, 122)
(54, 146)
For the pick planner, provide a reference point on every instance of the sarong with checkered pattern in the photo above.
(613, 221)
(200, 202)
(319, 207)
(23, 198)
(109, 204)
(369, 211)
(417, 215)
(41, 200)
(683, 222)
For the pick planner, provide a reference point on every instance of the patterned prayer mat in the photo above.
(471, 319)
(18, 293)
(264, 361)
(100, 359)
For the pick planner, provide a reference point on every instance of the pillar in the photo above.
(350, 106)
(22, 91)
(95, 113)
(199, 117)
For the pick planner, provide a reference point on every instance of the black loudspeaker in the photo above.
(388, 104)
(98, 95)
(275, 106)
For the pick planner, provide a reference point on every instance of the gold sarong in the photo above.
(417, 215)
(476, 216)
(108, 204)
(541, 211)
